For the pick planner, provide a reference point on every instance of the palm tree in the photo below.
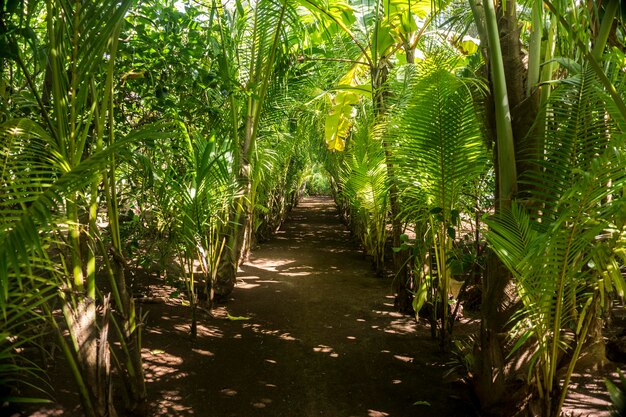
(248, 65)
(440, 149)
(193, 200)
(519, 125)
(61, 162)
(383, 34)
(564, 258)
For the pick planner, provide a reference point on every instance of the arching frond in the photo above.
(439, 140)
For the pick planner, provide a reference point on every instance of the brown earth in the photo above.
(309, 331)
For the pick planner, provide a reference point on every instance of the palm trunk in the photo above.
(403, 297)
(240, 229)
(515, 111)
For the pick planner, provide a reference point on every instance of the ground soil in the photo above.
(308, 331)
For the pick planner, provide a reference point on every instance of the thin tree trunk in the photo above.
(400, 272)
(243, 210)
(508, 75)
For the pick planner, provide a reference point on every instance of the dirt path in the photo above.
(322, 339)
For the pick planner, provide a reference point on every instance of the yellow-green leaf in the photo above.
(237, 318)
(469, 45)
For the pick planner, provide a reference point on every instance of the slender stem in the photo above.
(75, 154)
(605, 29)
(534, 56)
(57, 75)
(579, 345)
(507, 171)
(617, 99)
(233, 104)
(478, 13)
(549, 66)
(267, 73)
(85, 397)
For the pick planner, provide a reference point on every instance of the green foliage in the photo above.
(618, 395)
(562, 249)
(317, 183)
(440, 151)
(363, 181)
(23, 327)
(251, 95)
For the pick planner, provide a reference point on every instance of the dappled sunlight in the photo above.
(170, 404)
(337, 250)
(310, 333)
(279, 267)
(246, 286)
(210, 331)
(271, 264)
(387, 313)
(257, 328)
(228, 392)
(44, 412)
(159, 364)
(403, 358)
(326, 349)
(295, 274)
(403, 325)
(203, 352)
(249, 282)
(243, 282)
(264, 402)
(374, 413)
(586, 395)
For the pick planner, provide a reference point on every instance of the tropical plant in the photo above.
(193, 201)
(563, 255)
(363, 180)
(34, 247)
(440, 149)
(375, 37)
(521, 93)
(23, 322)
(254, 55)
(618, 395)
(73, 94)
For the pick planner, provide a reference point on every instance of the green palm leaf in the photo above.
(562, 253)
(439, 139)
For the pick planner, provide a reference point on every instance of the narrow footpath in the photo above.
(322, 339)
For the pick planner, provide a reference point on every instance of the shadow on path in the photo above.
(323, 338)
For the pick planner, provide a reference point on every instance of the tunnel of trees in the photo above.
(480, 142)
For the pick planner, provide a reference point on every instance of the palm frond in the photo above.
(439, 140)
(562, 254)
(34, 193)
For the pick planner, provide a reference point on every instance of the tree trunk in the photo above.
(229, 262)
(494, 384)
(236, 250)
(400, 272)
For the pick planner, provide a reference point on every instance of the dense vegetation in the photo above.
(481, 142)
